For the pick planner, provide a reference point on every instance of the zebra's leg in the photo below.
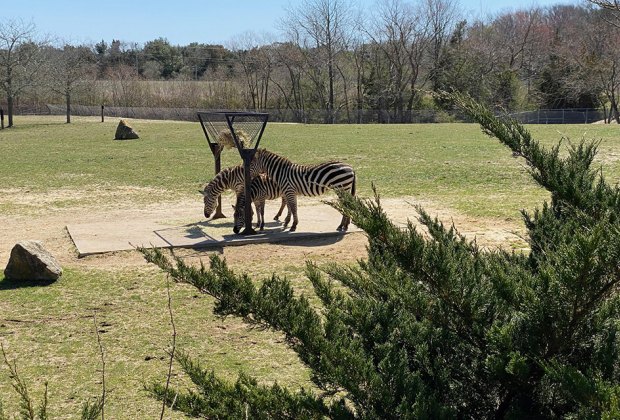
(288, 213)
(344, 223)
(257, 205)
(277, 216)
(262, 216)
(291, 199)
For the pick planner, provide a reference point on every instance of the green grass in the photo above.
(452, 164)
(50, 329)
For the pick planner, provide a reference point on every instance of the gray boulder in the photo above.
(125, 132)
(29, 260)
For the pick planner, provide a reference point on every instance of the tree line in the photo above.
(330, 57)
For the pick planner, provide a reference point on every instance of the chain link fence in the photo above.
(542, 116)
(559, 116)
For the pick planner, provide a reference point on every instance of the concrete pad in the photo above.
(121, 234)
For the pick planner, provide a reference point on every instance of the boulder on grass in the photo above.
(29, 260)
(125, 132)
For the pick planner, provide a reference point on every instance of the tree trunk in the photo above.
(68, 101)
(9, 109)
(616, 113)
(330, 102)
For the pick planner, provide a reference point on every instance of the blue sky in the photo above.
(182, 22)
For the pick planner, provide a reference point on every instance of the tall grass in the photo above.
(160, 94)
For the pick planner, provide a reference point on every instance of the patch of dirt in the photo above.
(49, 226)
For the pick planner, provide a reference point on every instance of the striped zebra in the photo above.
(262, 188)
(227, 179)
(306, 180)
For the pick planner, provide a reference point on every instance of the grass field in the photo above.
(449, 163)
(78, 167)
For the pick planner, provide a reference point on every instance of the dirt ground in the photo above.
(48, 224)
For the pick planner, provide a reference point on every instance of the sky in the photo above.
(184, 21)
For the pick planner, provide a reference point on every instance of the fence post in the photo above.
(1, 118)
(102, 117)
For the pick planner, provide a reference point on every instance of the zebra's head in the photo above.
(257, 165)
(239, 214)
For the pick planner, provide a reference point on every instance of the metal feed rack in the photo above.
(245, 129)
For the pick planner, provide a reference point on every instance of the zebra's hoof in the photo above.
(277, 218)
(293, 229)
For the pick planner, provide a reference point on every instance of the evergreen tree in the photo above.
(431, 326)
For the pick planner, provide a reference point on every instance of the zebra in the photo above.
(262, 188)
(227, 179)
(307, 180)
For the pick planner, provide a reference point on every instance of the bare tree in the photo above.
(402, 37)
(256, 59)
(442, 16)
(613, 6)
(590, 47)
(21, 61)
(322, 29)
(287, 77)
(70, 67)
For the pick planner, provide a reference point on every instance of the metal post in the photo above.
(216, 149)
(214, 124)
(102, 117)
(247, 155)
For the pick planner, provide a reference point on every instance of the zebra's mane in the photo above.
(266, 153)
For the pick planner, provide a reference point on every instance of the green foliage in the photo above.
(559, 88)
(27, 410)
(91, 410)
(431, 326)
(215, 398)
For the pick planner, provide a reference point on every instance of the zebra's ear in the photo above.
(201, 192)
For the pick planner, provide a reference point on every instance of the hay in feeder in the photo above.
(225, 139)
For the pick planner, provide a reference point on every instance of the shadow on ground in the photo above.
(11, 284)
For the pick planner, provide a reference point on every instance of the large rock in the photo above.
(125, 132)
(31, 261)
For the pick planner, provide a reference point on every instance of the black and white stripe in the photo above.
(230, 179)
(262, 189)
(307, 180)
(227, 179)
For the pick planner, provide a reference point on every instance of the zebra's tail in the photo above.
(353, 186)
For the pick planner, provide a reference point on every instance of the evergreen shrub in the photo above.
(430, 325)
